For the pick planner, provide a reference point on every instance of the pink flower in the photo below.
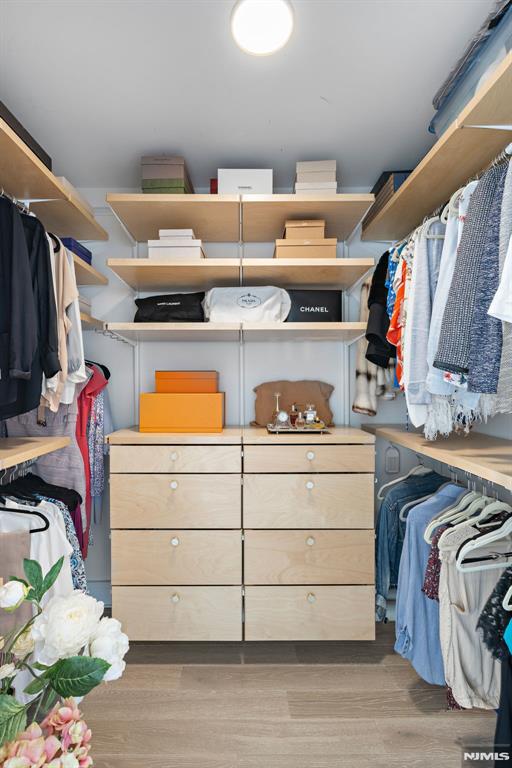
(60, 716)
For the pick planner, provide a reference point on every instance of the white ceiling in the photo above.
(101, 82)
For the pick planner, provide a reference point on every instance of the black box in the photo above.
(315, 307)
(25, 136)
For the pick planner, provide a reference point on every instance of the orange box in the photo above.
(181, 412)
(186, 381)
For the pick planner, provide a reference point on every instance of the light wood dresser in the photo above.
(243, 535)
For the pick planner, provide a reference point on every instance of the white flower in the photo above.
(12, 595)
(16, 762)
(69, 761)
(65, 626)
(110, 644)
(24, 645)
(6, 671)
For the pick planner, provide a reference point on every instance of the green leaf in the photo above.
(76, 676)
(37, 685)
(41, 667)
(51, 577)
(13, 718)
(34, 574)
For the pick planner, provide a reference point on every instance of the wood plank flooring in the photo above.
(277, 705)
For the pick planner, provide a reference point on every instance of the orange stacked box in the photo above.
(184, 401)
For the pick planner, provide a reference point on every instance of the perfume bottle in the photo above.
(310, 414)
(300, 422)
(277, 395)
(294, 415)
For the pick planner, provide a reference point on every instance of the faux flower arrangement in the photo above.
(66, 649)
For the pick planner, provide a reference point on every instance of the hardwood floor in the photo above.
(277, 705)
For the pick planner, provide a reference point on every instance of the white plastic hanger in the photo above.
(419, 469)
(407, 507)
(448, 514)
(506, 600)
(503, 532)
(479, 506)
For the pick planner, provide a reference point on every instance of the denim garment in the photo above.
(417, 617)
(391, 531)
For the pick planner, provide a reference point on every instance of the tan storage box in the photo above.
(307, 229)
(306, 249)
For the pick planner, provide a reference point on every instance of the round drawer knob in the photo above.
(310, 541)
(174, 456)
(174, 485)
(311, 598)
(310, 485)
(310, 455)
(175, 541)
(175, 598)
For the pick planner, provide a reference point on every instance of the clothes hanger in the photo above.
(419, 469)
(29, 512)
(504, 531)
(407, 507)
(446, 516)
(466, 517)
(506, 600)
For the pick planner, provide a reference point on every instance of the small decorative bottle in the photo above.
(310, 414)
(300, 422)
(294, 415)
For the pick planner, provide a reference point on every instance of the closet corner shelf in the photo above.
(482, 455)
(214, 218)
(156, 275)
(15, 450)
(263, 216)
(346, 332)
(460, 153)
(23, 175)
(86, 274)
(90, 323)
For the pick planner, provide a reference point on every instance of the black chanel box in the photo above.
(315, 307)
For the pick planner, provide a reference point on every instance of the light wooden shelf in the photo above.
(90, 323)
(459, 154)
(346, 332)
(338, 274)
(263, 216)
(86, 274)
(15, 450)
(214, 218)
(156, 275)
(132, 436)
(23, 175)
(482, 455)
(177, 331)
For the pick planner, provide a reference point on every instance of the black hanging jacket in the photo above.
(46, 359)
(18, 318)
(379, 349)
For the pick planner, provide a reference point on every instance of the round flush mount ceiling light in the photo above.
(262, 27)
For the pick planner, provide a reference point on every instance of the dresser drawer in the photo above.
(309, 557)
(175, 501)
(308, 501)
(176, 557)
(179, 613)
(175, 458)
(310, 613)
(309, 458)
